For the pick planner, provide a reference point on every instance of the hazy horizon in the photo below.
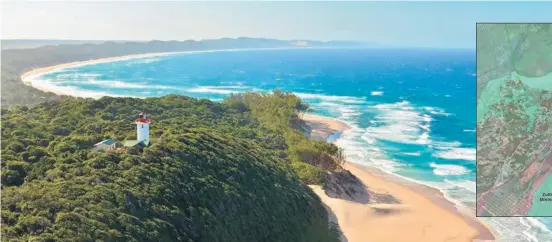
(43, 42)
(413, 24)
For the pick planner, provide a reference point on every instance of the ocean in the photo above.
(412, 111)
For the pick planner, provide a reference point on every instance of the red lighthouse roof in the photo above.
(142, 118)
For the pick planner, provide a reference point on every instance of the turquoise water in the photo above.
(412, 112)
(539, 207)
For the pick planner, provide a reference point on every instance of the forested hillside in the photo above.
(278, 112)
(214, 172)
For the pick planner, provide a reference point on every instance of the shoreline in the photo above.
(325, 127)
(27, 76)
(49, 69)
(358, 221)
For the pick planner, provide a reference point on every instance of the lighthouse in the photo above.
(142, 127)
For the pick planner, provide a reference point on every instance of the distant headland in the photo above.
(21, 56)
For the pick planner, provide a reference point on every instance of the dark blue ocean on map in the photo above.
(412, 111)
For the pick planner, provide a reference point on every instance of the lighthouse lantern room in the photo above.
(142, 127)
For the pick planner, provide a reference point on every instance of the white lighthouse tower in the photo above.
(142, 127)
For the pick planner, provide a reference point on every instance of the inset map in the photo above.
(514, 119)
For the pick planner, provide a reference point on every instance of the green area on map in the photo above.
(514, 119)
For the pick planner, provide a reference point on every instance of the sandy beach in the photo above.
(322, 127)
(28, 76)
(391, 208)
(415, 213)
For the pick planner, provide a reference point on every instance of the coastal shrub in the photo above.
(213, 173)
(278, 111)
(308, 173)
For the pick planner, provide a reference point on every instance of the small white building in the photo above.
(142, 127)
(142, 137)
(107, 145)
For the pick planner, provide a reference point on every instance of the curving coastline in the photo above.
(28, 78)
(425, 200)
(422, 214)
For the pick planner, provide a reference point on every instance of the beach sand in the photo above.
(27, 76)
(322, 127)
(393, 208)
(421, 214)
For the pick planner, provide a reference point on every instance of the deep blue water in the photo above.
(412, 112)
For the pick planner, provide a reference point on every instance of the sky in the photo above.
(422, 24)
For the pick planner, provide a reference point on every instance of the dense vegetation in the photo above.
(214, 172)
(278, 112)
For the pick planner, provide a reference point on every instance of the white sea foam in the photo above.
(209, 90)
(361, 147)
(522, 229)
(411, 153)
(344, 99)
(45, 84)
(146, 60)
(113, 84)
(436, 111)
(424, 127)
(131, 85)
(387, 165)
(446, 144)
(392, 105)
(456, 153)
(230, 87)
(76, 75)
(356, 141)
(34, 79)
(468, 130)
(357, 148)
(347, 112)
(218, 90)
(448, 170)
(423, 139)
(368, 139)
(440, 112)
(400, 122)
(328, 104)
(466, 184)
(404, 123)
(377, 93)
(427, 118)
(124, 85)
(460, 192)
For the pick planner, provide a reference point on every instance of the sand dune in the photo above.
(385, 208)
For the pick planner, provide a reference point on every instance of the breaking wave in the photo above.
(220, 89)
(322, 97)
(455, 153)
(401, 123)
(45, 84)
(378, 134)
(448, 170)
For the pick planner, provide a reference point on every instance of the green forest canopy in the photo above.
(228, 171)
